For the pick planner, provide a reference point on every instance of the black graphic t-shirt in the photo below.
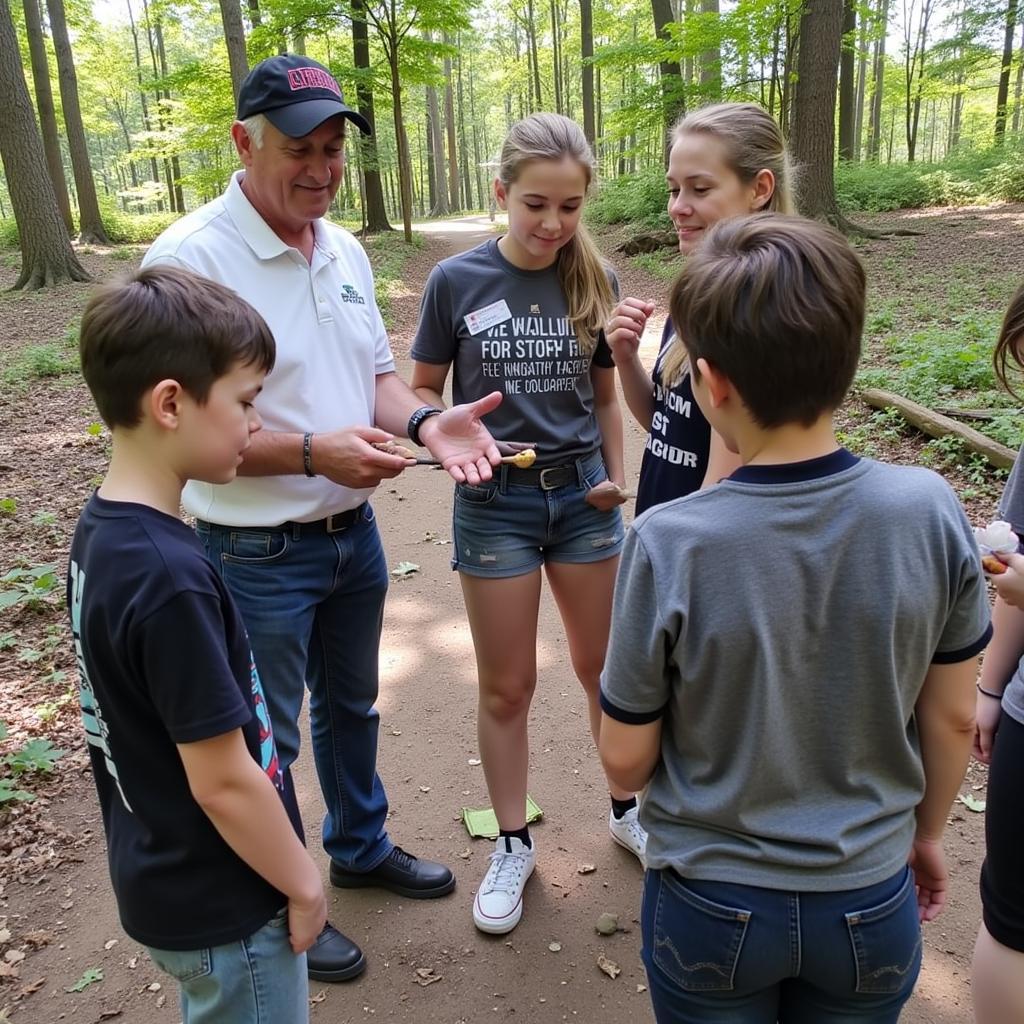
(163, 659)
(507, 329)
(679, 443)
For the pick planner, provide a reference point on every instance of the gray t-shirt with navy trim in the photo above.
(529, 352)
(781, 624)
(1011, 508)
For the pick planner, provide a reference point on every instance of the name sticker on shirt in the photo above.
(487, 316)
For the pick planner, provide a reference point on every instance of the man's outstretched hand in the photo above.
(461, 443)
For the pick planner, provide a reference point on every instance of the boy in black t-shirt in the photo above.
(204, 840)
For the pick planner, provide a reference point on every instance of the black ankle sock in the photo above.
(522, 834)
(619, 807)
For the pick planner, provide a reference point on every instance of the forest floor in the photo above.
(62, 953)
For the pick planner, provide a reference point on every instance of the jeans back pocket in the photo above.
(183, 965)
(886, 942)
(696, 942)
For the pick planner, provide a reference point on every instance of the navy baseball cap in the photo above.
(295, 94)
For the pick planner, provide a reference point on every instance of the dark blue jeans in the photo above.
(312, 603)
(718, 953)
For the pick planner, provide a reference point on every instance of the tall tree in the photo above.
(90, 223)
(847, 63)
(47, 113)
(673, 95)
(878, 84)
(1003, 92)
(812, 139)
(375, 210)
(234, 38)
(711, 57)
(154, 172)
(46, 254)
(914, 57)
(435, 156)
(587, 53)
(449, 125)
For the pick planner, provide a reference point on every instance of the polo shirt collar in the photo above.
(797, 472)
(255, 231)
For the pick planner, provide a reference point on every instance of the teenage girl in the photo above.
(998, 974)
(727, 160)
(524, 313)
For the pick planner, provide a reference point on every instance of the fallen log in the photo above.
(934, 424)
(652, 241)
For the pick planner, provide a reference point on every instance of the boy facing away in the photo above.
(203, 833)
(791, 666)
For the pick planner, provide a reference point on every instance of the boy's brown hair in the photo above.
(1011, 340)
(776, 304)
(165, 323)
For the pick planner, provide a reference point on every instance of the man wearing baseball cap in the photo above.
(294, 536)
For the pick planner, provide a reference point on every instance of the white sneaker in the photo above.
(629, 833)
(499, 900)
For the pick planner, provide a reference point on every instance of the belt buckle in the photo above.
(337, 521)
(545, 485)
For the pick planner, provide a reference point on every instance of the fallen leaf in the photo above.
(109, 1014)
(641, 988)
(396, 732)
(319, 997)
(607, 924)
(424, 789)
(89, 976)
(30, 988)
(404, 569)
(154, 986)
(38, 939)
(110, 944)
(5, 935)
(426, 976)
(612, 969)
(465, 853)
(133, 962)
(972, 803)
(161, 999)
(8, 970)
(474, 761)
(585, 869)
(555, 947)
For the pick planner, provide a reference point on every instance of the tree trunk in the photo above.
(1019, 87)
(449, 125)
(404, 163)
(587, 53)
(862, 75)
(90, 224)
(435, 150)
(467, 182)
(711, 58)
(878, 86)
(556, 59)
(46, 254)
(847, 63)
(376, 213)
(1003, 93)
(47, 113)
(531, 35)
(234, 38)
(673, 94)
(812, 139)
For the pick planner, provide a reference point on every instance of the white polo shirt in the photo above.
(331, 345)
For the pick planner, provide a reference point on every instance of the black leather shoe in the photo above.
(333, 957)
(400, 872)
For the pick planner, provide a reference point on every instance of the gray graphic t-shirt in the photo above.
(1011, 508)
(508, 330)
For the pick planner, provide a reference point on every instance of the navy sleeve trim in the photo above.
(629, 717)
(952, 657)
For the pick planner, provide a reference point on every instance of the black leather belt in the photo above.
(332, 524)
(547, 478)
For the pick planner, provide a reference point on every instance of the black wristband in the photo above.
(416, 420)
(988, 693)
(307, 454)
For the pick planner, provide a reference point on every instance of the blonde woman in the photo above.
(524, 314)
(727, 160)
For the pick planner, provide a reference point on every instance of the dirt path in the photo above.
(428, 746)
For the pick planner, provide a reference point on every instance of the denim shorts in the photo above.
(258, 978)
(720, 953)
(504, 528)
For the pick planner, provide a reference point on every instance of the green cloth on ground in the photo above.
(483, 823)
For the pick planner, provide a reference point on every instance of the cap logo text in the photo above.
(312, 78)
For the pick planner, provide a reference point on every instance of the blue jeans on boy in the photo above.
(312, 603)
(717, 952)
(248, 982)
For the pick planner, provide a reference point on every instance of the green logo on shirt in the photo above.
(349, 294)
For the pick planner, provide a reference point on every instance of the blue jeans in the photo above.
(256, 980)
(312, 603)
(718, 953)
